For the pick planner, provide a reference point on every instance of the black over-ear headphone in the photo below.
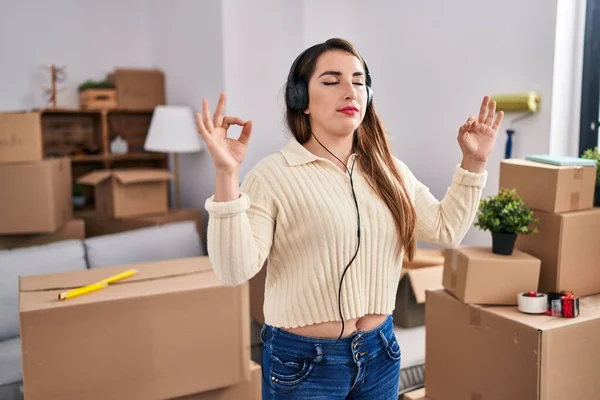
(297, 92)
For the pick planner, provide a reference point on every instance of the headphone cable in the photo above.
(350, 172)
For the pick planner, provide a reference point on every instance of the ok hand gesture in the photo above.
(227, 153)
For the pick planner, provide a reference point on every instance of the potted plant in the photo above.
(505, 215)
(97, 95)
(594, 154)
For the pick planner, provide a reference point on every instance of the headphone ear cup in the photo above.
(297, 96)
(302, 91)
(369, 95)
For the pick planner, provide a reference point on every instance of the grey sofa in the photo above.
(175, 240)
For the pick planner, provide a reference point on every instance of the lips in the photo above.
(349, 110)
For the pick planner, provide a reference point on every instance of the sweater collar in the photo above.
(295, 154)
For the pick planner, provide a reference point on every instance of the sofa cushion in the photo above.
(10, 361)
(156, 243)
(62, 256)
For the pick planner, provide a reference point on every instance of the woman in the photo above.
(334, 213)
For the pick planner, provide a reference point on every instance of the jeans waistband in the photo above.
(347, 350)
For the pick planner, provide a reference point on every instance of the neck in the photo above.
(340, 146)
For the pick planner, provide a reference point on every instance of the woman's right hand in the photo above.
(227, 154)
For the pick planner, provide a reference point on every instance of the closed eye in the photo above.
(335, 83)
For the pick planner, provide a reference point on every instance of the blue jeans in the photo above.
(363, 365)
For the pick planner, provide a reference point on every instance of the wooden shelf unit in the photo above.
(84, 136)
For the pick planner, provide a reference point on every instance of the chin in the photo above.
(344, 128)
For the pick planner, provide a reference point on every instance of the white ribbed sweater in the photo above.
(296, 210)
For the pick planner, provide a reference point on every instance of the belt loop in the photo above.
(319, 356)
(383, 338)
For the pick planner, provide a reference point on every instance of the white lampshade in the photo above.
(173, 130)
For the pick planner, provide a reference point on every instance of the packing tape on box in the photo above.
(574, 205)
(532, 303)
(563, 304)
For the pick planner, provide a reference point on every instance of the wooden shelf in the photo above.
(117, 157)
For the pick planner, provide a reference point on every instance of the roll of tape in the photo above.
(532, 303)
(570, 306)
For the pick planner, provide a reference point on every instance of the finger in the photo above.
(218, 117)
(492, 111)
(483, 109)
(246, 132)
(465, 127)
(201, 128)
(228, 121)
(206, 116)
(498, 121)
(462, 132)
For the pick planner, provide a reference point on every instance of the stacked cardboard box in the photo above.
(171, 331)
(478, 344)
(562, 199)
(497, 352)
(35, 206)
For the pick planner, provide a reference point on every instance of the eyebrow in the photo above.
(338, 73)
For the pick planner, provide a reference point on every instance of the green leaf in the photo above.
(505, 212)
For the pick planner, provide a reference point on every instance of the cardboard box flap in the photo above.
(423, 279)
(147, 271)
(589, 309)
(94, 177)
(142, 175)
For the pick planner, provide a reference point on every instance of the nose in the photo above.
(350, 92)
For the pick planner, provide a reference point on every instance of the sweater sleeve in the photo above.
(240, 231)
(446, 222)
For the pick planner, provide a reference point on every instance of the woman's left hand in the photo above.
(477, 137)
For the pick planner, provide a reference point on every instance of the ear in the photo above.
(306, 111)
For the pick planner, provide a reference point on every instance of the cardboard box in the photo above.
(36, 196)
(129, 192)
(97, 224)
(72, 230)
(20, 137)
(476, 275)
(170, 331)
(568, 245)
(139, 89)
(247, 390)
(425, 258)
(410, 298)
(498, 353)
(418, 394)
(548, 187)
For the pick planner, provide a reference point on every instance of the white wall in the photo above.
(432, 62)
(187, 44)
(89, 38)
(259, 45)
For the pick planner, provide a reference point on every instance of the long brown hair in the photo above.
(371, 146)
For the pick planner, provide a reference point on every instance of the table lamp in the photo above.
(173, 130)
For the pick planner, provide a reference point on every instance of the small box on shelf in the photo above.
(98, 99)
